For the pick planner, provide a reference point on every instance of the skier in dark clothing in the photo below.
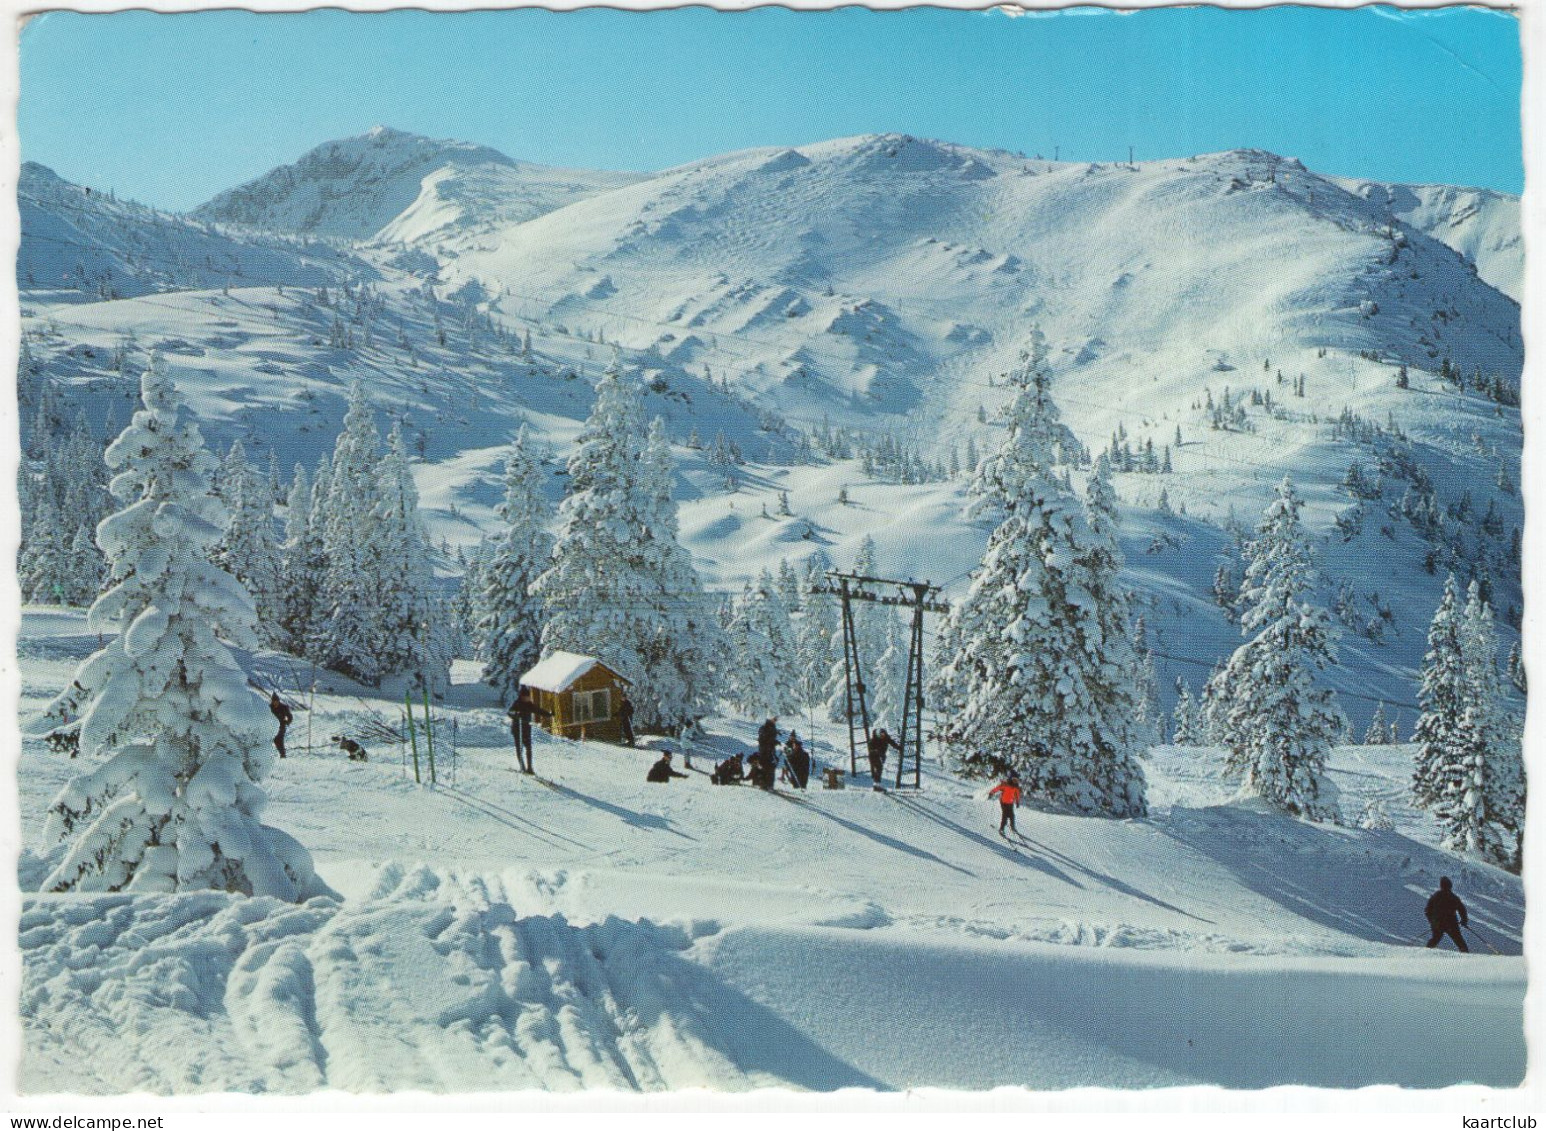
(285, 716)
(1446, 915)
(625, 717)
(1008, 794)
(877, 748)
(798, 759)
(521, 712)
(661, 771)
(767, 738)
(728, 772)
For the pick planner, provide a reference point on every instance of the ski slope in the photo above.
(583, 929)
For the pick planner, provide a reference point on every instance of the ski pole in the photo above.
(1483, 939)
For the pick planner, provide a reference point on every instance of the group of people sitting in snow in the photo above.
(762, 768)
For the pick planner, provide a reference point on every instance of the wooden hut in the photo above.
(582, 694)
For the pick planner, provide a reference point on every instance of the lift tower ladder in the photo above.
(921, 597)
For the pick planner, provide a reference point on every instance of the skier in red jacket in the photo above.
(1008, 794)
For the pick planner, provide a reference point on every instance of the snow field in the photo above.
(504, 933)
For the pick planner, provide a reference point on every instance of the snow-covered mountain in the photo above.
(1241, 314)
(1482, 225)
(403, 186)
(85, 246)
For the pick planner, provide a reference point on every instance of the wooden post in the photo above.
(429, 734)
(412, 737)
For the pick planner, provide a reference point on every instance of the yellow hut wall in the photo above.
(561, 704)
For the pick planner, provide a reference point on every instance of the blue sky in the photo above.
(170, 109)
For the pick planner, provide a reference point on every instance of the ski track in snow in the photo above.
(432, 982)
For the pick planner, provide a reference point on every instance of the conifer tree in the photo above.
(620, 586)
(303, 565)
(1477, 777)
(510, 631)
(818, 633)
(1278, 725)
(176, 804)
(409, 610)
(349, 637)
(1184, 718)
(762, 681)
(1441, 697)
(1378, 733)
(248, 550)
(1036, 661)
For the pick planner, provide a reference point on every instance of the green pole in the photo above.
(429, 735)
(412, 737)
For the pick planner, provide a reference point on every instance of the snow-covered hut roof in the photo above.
(560, 670)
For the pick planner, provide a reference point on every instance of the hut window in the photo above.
(592, 706)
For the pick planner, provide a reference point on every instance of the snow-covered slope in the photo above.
(403, 186)
(587, 929)
(901, 271)
(84, 246)
(884, 282)
(1482, 225)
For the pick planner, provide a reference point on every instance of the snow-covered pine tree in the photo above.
(1487, 813)
(410, 609)
(510, 629)
(41, 563)
(465, 611)
(762, 680)
(248, 549)
(302, 566)
(177, 805)
(870, 638)
(1036, 665)
(349, 637)
(820, 621)
(1184, 718)
(1441, 697)
(887, 679)
(1038, 430)
(684, 651)
(789, 586)
(620, 586)
(1279, 726)
(1378, 733)
(83, 574)
(1149, 714)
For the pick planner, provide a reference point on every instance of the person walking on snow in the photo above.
(285, 716)
(877, 750)
(521, 712)
(1008, 794)
(625, 716)
(661, 771)
(1446, 915)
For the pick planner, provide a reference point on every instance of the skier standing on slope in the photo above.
(285, 716)
(1008, 794)
(767, 739)
(661, 771)
(625, 717)
(521, 712)
(798, 759)
(877, 749)
(1443, 908)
